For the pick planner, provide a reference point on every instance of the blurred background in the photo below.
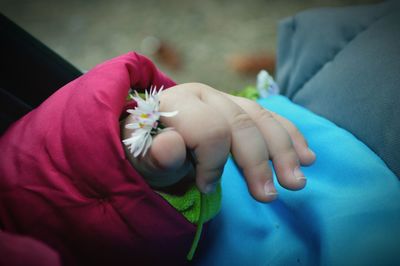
(220, 43)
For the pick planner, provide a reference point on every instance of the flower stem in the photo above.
(199, 229)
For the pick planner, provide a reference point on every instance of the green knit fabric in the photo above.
(189, 204)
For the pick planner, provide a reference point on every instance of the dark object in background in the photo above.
(29, 72)
(253, 63)
(163, 52)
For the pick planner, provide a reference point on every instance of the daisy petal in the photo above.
(145, 118)
(168, 114)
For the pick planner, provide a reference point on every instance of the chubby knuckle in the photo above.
(242, 121)
(263, 115)
(199, 88)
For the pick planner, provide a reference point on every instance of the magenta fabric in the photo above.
(24, 251)
(65, 180)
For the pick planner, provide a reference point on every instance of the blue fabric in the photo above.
(348, 214)
(344, 64)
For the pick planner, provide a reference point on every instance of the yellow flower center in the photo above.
(144, 116)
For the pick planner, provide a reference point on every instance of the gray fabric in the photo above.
(344, 64)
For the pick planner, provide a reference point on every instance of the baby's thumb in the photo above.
(165, 162)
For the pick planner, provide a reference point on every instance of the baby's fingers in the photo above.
(247, 146)
(306, 155)
(204, 131)
(165, 163)
(284, 157)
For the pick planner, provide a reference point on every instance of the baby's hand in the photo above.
(209, 126)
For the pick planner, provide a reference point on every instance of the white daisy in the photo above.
(145, 123)
(266, 84)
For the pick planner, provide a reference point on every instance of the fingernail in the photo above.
(311, 151)
(269, 189)
(298, 174)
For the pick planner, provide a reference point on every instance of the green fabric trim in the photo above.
(189, 204)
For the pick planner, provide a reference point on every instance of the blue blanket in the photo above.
(348, 214)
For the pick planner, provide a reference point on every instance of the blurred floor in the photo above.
(204, 35)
